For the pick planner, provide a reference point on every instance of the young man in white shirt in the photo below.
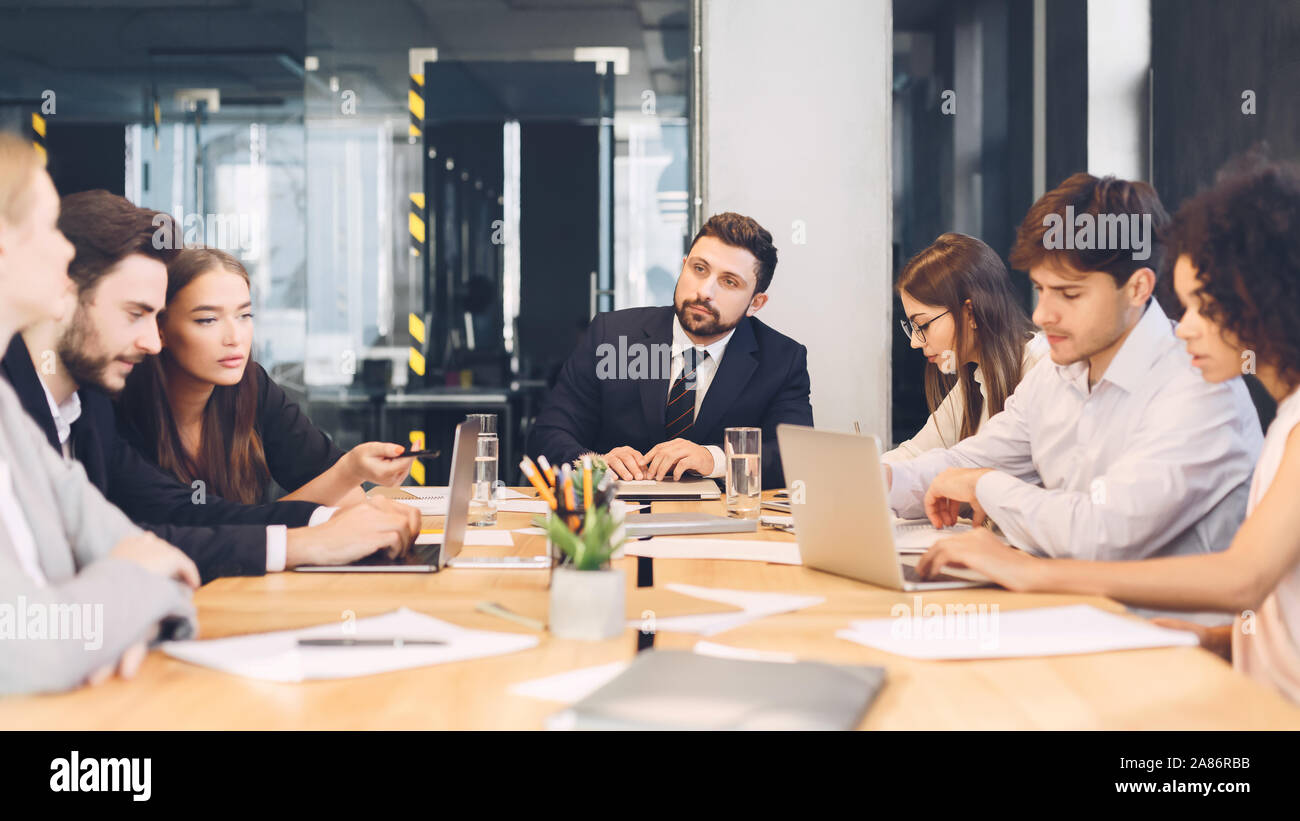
(1114, 448)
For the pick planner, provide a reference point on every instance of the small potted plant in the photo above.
(587, 596)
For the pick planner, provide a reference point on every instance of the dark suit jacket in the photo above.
(223, 538)
(761, 382)
(296, 450)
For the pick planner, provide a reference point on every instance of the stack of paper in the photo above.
(672, 547)
(981, 632)
(277, 656)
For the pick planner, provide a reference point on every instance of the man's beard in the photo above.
(75, 351)
(703, 326)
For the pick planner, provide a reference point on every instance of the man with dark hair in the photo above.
(65, 373)
(652, 389)
(1115, 448)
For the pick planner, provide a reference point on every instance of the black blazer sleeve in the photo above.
(569, 422)
(791, 405)
(149, 495)
(228, 550)
(296, 450)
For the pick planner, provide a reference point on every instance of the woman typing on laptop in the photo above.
(1237, 273)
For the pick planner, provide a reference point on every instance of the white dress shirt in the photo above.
(64, 416)
(20, 532)
(277, 536)
(943, 428)
(1152, 461)
(704, 374)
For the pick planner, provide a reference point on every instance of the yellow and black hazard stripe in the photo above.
(417, 467)
(415, 102)
(38, 136)
(416, 224)
(416, 327)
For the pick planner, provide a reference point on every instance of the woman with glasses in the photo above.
(960, 311)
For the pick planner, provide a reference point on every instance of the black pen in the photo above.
(396, 641)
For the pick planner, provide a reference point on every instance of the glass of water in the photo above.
(744, 451)
(483, 504)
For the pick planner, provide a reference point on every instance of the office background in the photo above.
(432, 197)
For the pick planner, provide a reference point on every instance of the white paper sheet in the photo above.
(753, 606)
(677, 547)
(570, 686)
(1040, 631)
(473, 538)
(726, 651)
(277, 657)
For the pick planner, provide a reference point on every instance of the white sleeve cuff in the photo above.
(321, 515)
(277, 546)
(719, 462)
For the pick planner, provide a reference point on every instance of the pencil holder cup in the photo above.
(587, 597)
(587, 604)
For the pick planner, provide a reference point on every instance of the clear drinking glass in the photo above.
(483, 504)
(744, 451)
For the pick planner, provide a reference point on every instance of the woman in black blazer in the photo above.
(204, 411)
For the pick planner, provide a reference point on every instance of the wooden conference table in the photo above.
(1172, 688)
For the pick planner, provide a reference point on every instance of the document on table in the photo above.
(277, 656)
(753, 606)
(473, 538)
(571, 685)
(959, 633)
(575, 685)
(673, 547)
(918, 535)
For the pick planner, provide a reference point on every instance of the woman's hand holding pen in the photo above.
(379, 462)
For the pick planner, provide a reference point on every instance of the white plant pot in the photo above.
(587, 604)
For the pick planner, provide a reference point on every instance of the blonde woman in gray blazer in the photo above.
(82, 589)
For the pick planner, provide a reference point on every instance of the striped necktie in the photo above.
(680, 413)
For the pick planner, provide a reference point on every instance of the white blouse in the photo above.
(943, 428)
(1270, 651)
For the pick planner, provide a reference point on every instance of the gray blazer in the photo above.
(105, 604)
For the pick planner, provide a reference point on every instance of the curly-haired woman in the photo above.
(1236, 248)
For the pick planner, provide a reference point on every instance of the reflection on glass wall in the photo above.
(237, 185)
(432, 198)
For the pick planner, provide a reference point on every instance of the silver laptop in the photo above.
(841, 512)
(429, 558)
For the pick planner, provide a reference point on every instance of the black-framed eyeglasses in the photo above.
(910, 328)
